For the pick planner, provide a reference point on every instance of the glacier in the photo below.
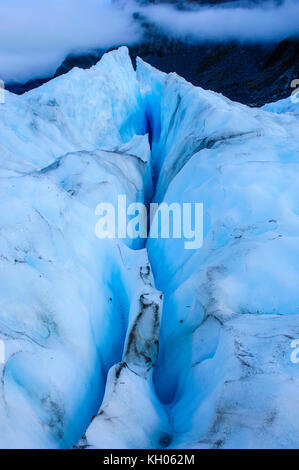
(133, 344)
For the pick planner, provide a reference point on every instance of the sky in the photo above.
(36, 35)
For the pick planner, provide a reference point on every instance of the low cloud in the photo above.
(36, 35)
(268, 22)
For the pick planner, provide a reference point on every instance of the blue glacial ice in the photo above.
(113, 344)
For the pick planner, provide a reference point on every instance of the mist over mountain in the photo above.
(246, 50)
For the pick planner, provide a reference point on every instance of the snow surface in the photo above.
(80, 316)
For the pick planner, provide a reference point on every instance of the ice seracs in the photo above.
(81, 317)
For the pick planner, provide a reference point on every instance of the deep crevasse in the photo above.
(69, 301)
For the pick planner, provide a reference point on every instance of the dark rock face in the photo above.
(253, 74)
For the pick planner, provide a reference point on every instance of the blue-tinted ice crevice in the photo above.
(68, 299)
(81, 317)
